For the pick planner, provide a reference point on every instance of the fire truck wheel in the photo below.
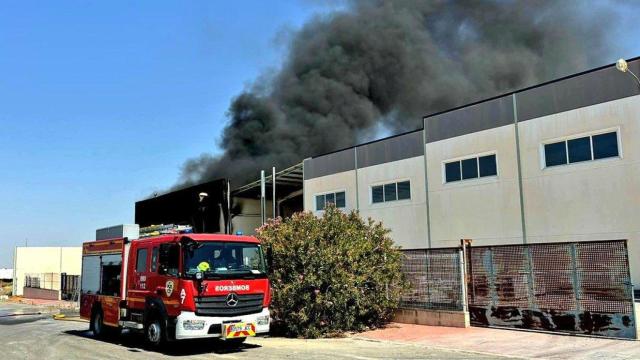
(154, 332)
(97, 324)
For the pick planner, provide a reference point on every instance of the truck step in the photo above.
(131, 325)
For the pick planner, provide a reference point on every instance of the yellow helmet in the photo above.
(204, 266)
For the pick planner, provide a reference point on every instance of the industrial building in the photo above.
(556, 162)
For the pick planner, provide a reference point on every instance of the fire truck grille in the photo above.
(217, 305)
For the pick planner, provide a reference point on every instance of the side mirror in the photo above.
(199, 276)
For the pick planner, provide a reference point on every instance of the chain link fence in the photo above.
(580, 287)
(435, 279)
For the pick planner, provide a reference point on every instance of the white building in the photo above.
(46, 264)
(552, 163)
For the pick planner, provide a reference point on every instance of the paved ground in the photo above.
(27, 334)
(37, 336)
(522, 344)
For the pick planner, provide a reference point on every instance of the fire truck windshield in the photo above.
(223, 259)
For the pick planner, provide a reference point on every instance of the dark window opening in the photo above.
(320, 202)
(169, 259)
(111, 279)
(390, 192)
(452, 171)
(341, 200)
(154, 259)
(579, 149)
(404, 190)
(555, 154)
(487, 165)
(338, 199)
(605, 145)
(330, 199)
(586, 148)
(377, 194)
(141, 260)
(470, 168)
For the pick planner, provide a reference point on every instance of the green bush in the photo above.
(331, 274)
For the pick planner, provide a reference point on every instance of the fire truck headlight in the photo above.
(193, 324)
(262, 320)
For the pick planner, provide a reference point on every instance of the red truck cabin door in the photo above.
(138, 286)
(163, 281)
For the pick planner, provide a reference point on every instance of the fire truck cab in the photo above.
(178, 286)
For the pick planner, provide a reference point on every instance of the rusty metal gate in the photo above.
(435, 279)
(579, 287)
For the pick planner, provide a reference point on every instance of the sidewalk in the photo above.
(521, 344)
(46, 306)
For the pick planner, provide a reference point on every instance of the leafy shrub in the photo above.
(331, 274)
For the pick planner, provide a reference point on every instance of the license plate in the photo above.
(239, 330)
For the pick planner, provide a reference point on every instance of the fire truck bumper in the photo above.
(191, 326)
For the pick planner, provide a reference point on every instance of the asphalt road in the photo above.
(41, 337)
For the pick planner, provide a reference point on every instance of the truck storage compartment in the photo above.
(101, 274)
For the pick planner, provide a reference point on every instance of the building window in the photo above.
(585, 148)
(391, 192)
(471, 168)
(336, 198)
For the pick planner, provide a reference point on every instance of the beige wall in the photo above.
(344, 181)
(486, 209)
(593, 200)
(249, 218)
(407, 219)
(37, 260)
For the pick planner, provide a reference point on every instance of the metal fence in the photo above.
(68, 285)
(49, 281)
(435, 279)
(581, 287)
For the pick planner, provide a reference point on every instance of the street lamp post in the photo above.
(624, 67)
(203, 208)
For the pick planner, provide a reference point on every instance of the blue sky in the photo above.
(101, 102)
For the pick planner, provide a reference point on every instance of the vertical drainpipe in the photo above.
(355, 154)
(273, 195)
(518, 161)
(263, 207)
(303, 187)
(426, 180)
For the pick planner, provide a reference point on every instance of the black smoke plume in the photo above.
(385, 64)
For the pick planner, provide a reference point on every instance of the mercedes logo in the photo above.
(232, 299)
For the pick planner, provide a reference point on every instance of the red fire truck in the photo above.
(178, 286)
